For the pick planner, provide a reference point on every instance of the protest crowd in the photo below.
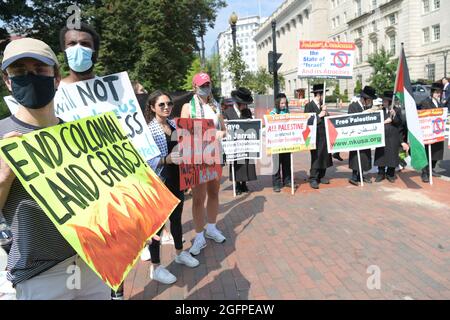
(39, 253)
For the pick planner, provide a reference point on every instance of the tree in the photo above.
(235, 65)
(384, 71)
(358, 87)
(153, 40)
(41, 19)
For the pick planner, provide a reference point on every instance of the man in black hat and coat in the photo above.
(320, 158)
(362, 105)
(388, 156)
(244, 170)
(437, 149)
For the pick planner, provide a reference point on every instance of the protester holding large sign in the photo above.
(363, 105)
(203, 106)
(281, 161)
(387, 157)
(320, 158)
(433, 128)
(158, 110)
(32, 74)
(244, 169)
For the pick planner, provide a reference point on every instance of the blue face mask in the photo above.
(79, 58)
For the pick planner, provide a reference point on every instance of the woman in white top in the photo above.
(203, 106)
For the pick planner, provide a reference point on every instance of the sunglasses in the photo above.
(162, 104)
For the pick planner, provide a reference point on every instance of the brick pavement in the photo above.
(317, 244)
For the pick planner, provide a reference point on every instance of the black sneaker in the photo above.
(314, 184)
(367, 179)
(277, 189)
(425, 178)
(337, 156)
(380, 178)
(244, 187)
(391, 179)
(353, 182)
(324, 181)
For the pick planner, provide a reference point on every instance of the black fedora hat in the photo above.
(318, 88)
(437, 86)
(242, 95)
(388, 95)
(369, 93)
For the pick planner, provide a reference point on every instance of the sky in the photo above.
(243, 8)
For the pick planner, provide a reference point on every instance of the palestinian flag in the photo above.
(403, 92)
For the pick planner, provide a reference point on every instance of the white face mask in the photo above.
(204, 91)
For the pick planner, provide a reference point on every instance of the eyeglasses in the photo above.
(15, 71)
(162, 104)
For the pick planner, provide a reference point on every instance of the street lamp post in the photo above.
(233, 20)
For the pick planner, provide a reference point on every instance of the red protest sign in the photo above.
(199, 150)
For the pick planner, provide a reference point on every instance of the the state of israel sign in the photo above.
(326, 59)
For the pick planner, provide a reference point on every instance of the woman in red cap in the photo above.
(203, 106)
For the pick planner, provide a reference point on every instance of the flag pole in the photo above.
(360, 169)
(292, 174)
(396, 77)
(234, 179)
(430, 164)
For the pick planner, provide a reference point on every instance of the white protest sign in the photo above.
(326, 59)
(99, 95)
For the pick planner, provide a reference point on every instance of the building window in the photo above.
(333, 4)
(374, 4)
(345, 17)
(374, 26)
(392, 44)
(359, 32)
(374, 46)
(426, 6)
(426, 35)
(437, 4)
(360, 54)
(436, 32)
(338, 21)
(358, 7)
(333, 23)
(392, 19)
(431, 71)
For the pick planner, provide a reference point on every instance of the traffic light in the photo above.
(272, 61)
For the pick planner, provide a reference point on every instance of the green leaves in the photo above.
(154, 40)
(384, 71)
(236, 66)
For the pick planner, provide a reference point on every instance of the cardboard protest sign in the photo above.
(433, 123)
(12, 104)
(357, 131)
(200, 152)
(290, 132)
(243, 140)
(326, 59)
(99, 95)
(95, 187)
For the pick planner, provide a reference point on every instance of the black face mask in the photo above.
(32, 91)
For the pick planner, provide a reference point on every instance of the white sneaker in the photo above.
(199, 244)
(215, 235)
(186, 259)
(145, 255)
(161, 274)
(167, 239)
